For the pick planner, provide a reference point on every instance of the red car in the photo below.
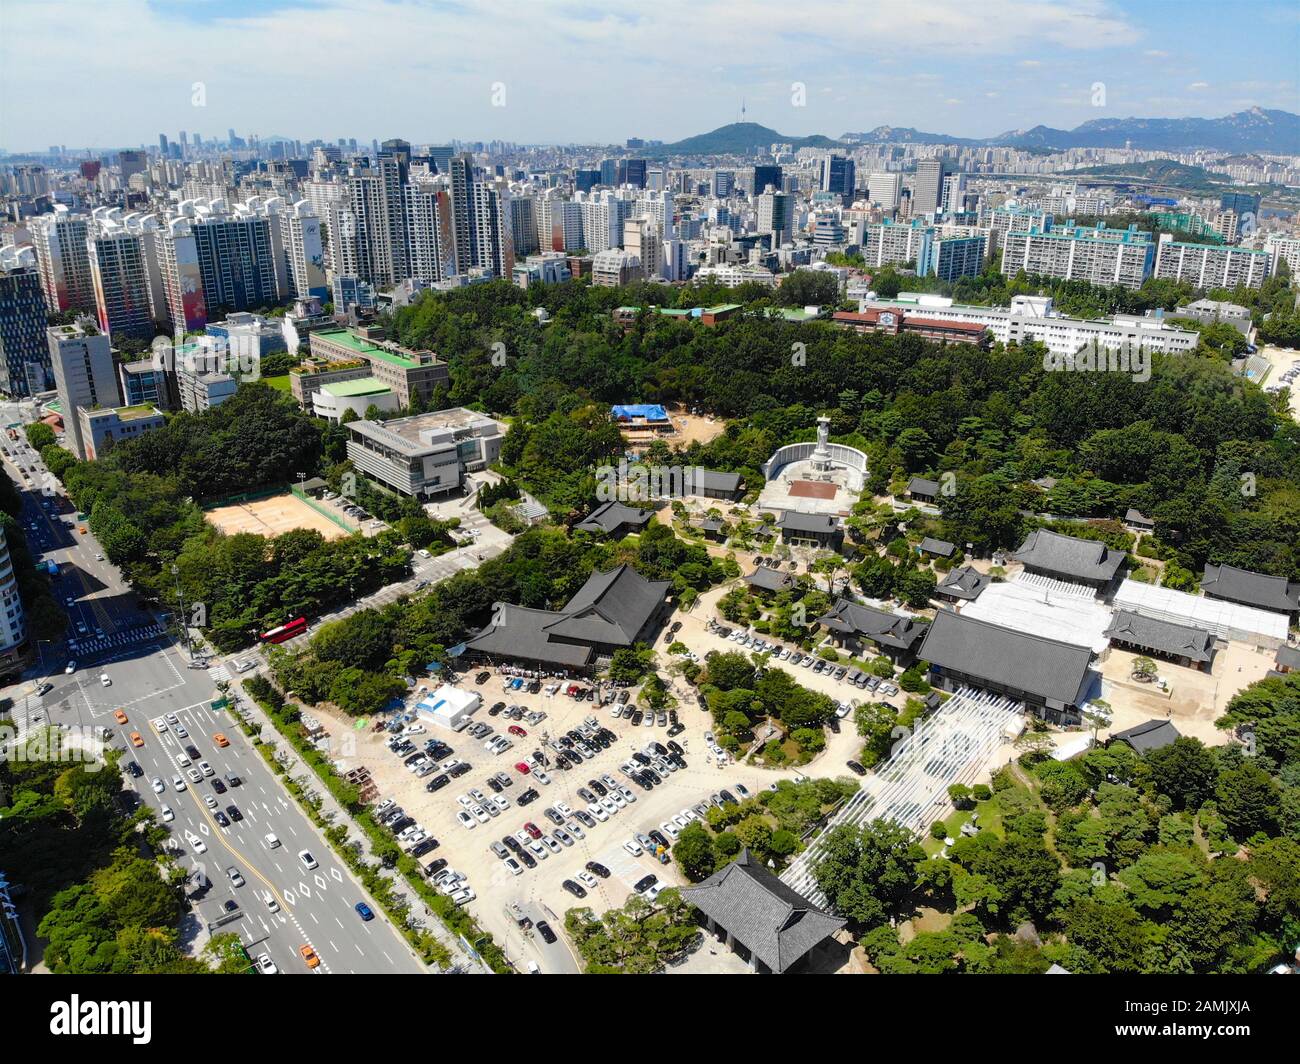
(533, 830)
(514, 729)
(523, 768)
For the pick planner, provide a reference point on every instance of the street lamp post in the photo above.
(185, 624)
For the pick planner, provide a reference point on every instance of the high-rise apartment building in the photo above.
(523, 224)
(13, 624)
(428, 226)
(182, 281)
(237, 261)
(63, 259)
(120, 265)
(1211, 265)
(1099, 256)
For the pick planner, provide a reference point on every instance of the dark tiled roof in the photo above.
(768, 579)
(1016, 661)
(610, 607)
(964, 583)
(712, 524)
(887, 629)
(611, 515)
(1287, 657)
(1149, 736)
(941, 547)
(519, 632)
(921, 486)
(777, 923)
(1069, 557)
(1137, 517)
(1250, 589)
(1165, 637)
(797, 522)
(716, 480)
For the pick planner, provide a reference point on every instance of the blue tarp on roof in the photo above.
(649, 411)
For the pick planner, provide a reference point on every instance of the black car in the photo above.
(401, 824)
(529, 860)
(494, 785)
(544, 929)
(233, 780)
(661, 839)
(438, 782)
(541, 759)
(637, 718)
(654, 776)
(482, 678)
(640, 758)
(512, 843)
(675, 748)
(623, 696)
(134, 768)
(221, 818)
(424, 846)
(643, 781)
(597, 868)
(573, 888)
(497, 707)
(855, 767)
(434, 867)
(414, 757)
(459, 770)
(677, 760)
(646, 882)
(659, 748)
(598, 787)
(193, 751)
(672, 716)
(230, 905)
(218, 786)
(528, 797)
(676, 729)
(234, 813)
(727, 796)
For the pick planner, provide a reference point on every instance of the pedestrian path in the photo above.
(145, 633)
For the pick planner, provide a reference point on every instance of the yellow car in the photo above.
(220, 739)
(137, 739)
(119, 716)
(309, 955)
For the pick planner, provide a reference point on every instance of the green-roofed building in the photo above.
(408, 373)
(332, 400)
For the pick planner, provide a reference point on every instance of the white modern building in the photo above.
(426, 454)
(82, 359)
(13, 624)
(1034, 318)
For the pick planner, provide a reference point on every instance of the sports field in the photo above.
(272, 516)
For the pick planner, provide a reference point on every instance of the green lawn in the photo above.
(280, 383)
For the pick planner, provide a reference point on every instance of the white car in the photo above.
(167, 814)
(586, 879)
(158, 785)
(627, 794)
(550, 844)
(160, 725)
(70, 668)
(477, 795)
(464, 800)
(194, 776)
(179, 729)
(575, 829)
(272, 841)
(563, 810)
(267, 966)
(103, 679)
(178, 784)
(597, 812)
(196, 842)
(479, 814)
(465, 894)
(209, 801)
(633, 847)
(205, 768)
(538, 774)
(617, 798)
(501, 802)
(608, 805)
(538, 849)
(466, 820)
(307, 859)
(670, 829)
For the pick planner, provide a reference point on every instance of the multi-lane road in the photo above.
(150, 677)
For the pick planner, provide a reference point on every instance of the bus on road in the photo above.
(285, 631)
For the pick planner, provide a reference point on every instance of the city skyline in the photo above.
(950, 68)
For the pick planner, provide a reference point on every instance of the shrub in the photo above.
(939, 830)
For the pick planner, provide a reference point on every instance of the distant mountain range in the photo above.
(1255, 130)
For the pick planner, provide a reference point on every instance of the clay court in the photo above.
(272, 516)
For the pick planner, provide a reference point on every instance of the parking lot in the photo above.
(538, 890)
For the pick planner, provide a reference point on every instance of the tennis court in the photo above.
(273, 516)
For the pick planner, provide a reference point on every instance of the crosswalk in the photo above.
(116, 640)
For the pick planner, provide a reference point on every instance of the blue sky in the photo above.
(108, 73)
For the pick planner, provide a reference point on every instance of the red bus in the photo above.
(285, 631)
